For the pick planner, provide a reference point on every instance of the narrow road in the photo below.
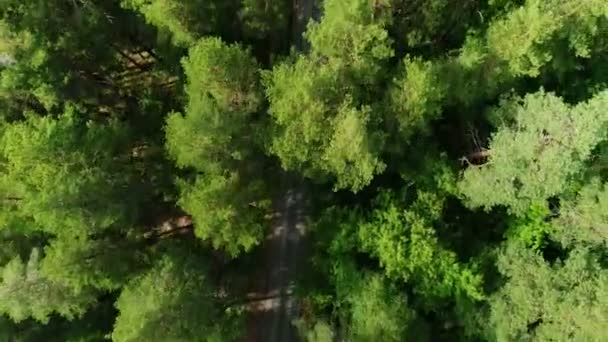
(272, 315)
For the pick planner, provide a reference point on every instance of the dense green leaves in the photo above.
(351, 33)
(321, 102)
(186, 21)
(523, 37)
(541, 143)
(367, 305)
(227, 73)
(217, 138)
(85, 263)
(351, 152)
(583, 219)
(223, 97)
(416, 96)
(454, 155)
(405, 243)
(67, 175)
(378, 310)
(25, 293)
(566, 301)
(173, 301)
(225, 211)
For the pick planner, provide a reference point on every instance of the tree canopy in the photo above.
(216, 137)
(539, 145)
(440, 169)
(172, 301)
(549, 302)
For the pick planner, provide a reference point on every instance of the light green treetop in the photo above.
(540, 302)
(25, 292)
(86, 263)
(584, 218)
(378, 309)
(322, 101)
(540, 143)
(523, 37)
(405, 242)
(223, 95)
(416, 96)
(68, 176)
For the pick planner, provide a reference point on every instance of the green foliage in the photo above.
(225, 211)
(474, 203)
(319, 332)
(540, 144)
(583, 219)
(540, 302)
(397, 234)
(532, 229)
(431, 26)
(85, 263)
(65, 175)
(216, 139)
(261, 19)
(25, 293)
(417, 96)
(226, 73)
(366, 305)
(521, 41)
(290, 89)
(173, 301)
(377, 309)
(523, 37)
(322, 101)
(405, 242)
(314, 140)
(54, 59)
(186, 21)
(351, 152)
(223, 96)
(27, 84)
(93, 326)
(350, 33)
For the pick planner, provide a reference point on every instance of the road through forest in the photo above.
(274, 308)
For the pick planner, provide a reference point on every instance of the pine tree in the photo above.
(217, 138)
(321, 102)
(540, 144)
(67, 176)
(25, 293)
(566, 301)
(172, 301)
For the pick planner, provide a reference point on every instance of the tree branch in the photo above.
(477, 157)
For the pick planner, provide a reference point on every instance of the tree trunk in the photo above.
(476, 158)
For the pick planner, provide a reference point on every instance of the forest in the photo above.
(454, 156)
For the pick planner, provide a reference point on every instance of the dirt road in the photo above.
(291, 231)
(274, 308)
